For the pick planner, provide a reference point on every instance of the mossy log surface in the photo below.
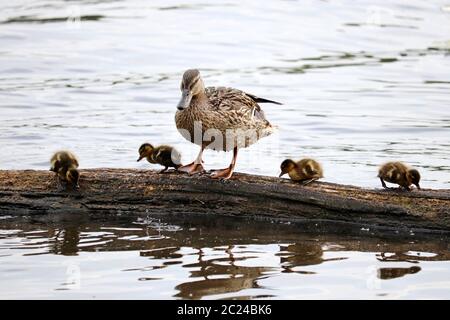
(30, 192)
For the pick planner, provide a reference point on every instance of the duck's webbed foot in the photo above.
(192, 168)
(223, 174)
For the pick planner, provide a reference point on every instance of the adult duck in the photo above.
(218, 118)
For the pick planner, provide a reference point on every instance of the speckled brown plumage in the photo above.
(218, 118)
(225, 109)
(398, 173)
(64, 163)
(164, 155)
(303, 170)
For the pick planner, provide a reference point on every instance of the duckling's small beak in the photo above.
(281, 174)
(185, 101)
(418, 186)
(140, 158)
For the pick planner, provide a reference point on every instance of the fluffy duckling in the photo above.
(166, 156)
(399, 173)
(65, 164)
(306, 170)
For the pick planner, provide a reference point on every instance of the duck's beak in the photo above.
(418, 186)
(185, 101)
(140, 158)
(281, 174)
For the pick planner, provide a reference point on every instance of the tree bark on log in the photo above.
(31, 192)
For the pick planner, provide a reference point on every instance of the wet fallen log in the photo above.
(112, 191)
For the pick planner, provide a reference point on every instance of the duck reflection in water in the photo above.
(65, 240)
(169, 254)
(392, 273)
(300, 255)
(233, 278)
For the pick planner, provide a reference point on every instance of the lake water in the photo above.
(79, 257)
(361, 83)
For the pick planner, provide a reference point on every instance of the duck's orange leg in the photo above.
(227, 172)
(194, 167)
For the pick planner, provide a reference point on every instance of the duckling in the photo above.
(399, 173)
(65, 164)
(166, 156)
(306, 170)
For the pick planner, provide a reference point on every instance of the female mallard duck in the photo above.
(305, 170)
(218, 118)
(166, 156)
(399, 173)
(65, 164)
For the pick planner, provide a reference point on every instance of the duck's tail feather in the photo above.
(262, 100)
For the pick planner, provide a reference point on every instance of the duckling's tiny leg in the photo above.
(56, 178)
(305, 182)
(227, 172)
(163, 170)
(194, 167)
(61, 184)
(384, 184)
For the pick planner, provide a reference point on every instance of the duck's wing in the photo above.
(310, 169)
(75, 162)
(167, 155)
(222, 98)
(55, 165)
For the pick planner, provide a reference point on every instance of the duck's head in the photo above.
(73, 176)
(287, 166)
(414, 177)
(191, 86)
(145, 150)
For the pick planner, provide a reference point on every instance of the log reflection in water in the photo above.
(218, 257)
